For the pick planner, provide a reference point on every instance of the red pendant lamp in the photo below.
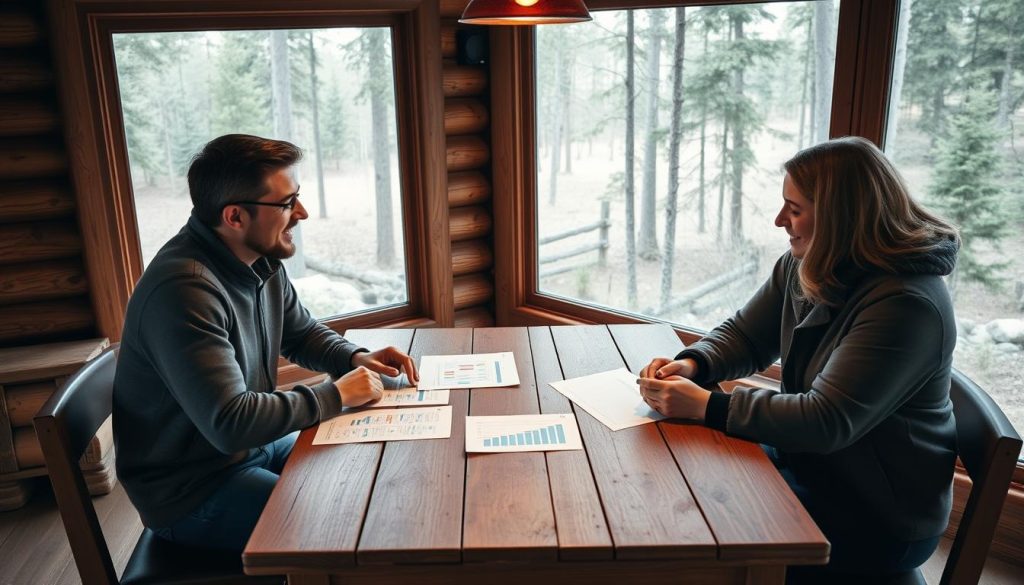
(524, 12)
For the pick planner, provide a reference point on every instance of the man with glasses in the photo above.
(201, 434)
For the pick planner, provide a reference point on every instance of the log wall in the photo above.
(468, 156)
(44, 294)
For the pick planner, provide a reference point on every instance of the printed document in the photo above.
(611, 397)
(482, 370)
(409, 397)
(528, 432)
(396, 424)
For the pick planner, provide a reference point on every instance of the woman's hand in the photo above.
(664, 368)
(388, 361)
(676, 397)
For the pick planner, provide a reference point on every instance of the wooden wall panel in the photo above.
(463, 81)
(461, 116)
(471, 290)
(37, 199)
(466, 223)
(43, 284)
(467, 152)
(37, 281)
(27, 115)
(468, 188)
(469, 256)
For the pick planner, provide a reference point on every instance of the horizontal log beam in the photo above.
(471, 290)
(30, 242)
(25, 71)
(465, 116)
(453, 8)
(18, 27)
(38, 281)
(36, 200)
(65, 319)
(463, 81)
(25, 400)
(465, 153)
(27, 449)
(467, 223)
(448, 47)
(471, 256)
(27, 159)
(21, 116)
(474, 317)
(468, 188)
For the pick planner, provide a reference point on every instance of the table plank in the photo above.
(752, 512)
(649, 508)
(508, 501)
(415, 512)
(582, 530)
(293, 529)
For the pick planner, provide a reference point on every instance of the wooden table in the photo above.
(670, 500)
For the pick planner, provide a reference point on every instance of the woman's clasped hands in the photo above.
(666, 387)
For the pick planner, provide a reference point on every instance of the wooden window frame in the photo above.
(87, 79)
(865, 46)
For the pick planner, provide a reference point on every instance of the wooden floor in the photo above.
(34, 550)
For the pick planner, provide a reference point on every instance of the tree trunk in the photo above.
(281, 83)
(1003, 113)
(381, 148)
(631, 292)
(898, 68)
(808, 52)
(702, 187)
(675, 139)
(825, 53)
(648, 245)
(738, 146)
(314, 98)
(567, 108)
(724, 164)
(556, 129)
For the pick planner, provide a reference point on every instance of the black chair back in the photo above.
(65, 425)
(989, 447)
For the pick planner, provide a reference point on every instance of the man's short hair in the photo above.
(234, 167)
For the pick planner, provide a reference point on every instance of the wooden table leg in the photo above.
(300, 579)
(766, 575)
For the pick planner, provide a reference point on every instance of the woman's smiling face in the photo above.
(796, 217)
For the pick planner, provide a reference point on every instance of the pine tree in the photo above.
(932, 56)
(965, 186)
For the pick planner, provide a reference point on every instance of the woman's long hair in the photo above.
(863, 214)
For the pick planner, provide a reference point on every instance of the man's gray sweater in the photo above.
(194, 389)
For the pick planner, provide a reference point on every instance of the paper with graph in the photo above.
(410, 397)
(482, 370)
(396, 424)
(611, 397)
(528, 432)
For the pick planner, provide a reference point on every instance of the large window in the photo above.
(330, 91)
(660, 138)
(955, 129)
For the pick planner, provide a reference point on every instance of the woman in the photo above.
(857, 311)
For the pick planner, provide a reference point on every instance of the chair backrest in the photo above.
(65, 425)
(989, 447)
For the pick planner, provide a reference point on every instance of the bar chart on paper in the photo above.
(410, 397)
(538, 432)
(485, 370)
(396, 424)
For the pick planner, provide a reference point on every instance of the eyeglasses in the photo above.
(288, 205)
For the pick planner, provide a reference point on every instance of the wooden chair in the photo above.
(65, 425)
(989, 447)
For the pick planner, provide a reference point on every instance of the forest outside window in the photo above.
(955, 127)
(329, 91)
(657, 198)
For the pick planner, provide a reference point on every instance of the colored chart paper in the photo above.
(531, 432)
(396, 424)
(410, 397)
(483, 370)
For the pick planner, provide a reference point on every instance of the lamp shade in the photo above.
(524, 12)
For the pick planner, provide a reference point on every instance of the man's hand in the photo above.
(664, 368)
(359, 387)
(389, 361)
(675, 397)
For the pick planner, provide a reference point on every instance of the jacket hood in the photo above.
(940, 259)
